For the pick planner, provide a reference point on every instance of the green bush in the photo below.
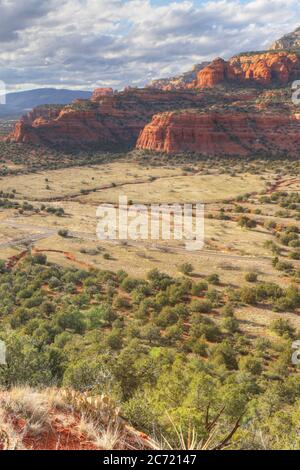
(283, 328)
(201, 306)
(199, 289)
(186, 268)
(251, 277)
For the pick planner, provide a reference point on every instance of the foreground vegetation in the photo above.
(161, 348)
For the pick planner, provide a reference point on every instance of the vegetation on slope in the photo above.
(161, 348)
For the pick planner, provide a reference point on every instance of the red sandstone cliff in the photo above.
(222, 133)
(262, 68)
(113, 121)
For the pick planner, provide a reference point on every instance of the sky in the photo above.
(83, 44)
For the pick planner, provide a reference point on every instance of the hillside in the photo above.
(169, 352)
(52, 419)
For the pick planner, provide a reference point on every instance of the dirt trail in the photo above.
(282, 183)
(137, 244)
(14, 260)
(67, 255)
(69, 197)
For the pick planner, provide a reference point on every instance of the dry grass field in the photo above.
(70, 182)
(230, 250)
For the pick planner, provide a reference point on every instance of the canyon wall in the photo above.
(222, 133)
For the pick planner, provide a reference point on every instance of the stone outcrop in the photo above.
(288, 42)
(260, 68)
(222, 133)
(219, 71)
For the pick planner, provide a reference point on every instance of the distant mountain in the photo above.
(23, 101)
(289, 41)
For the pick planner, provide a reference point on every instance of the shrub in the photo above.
(295, 255)
(230, 324)
(64, 233)
(200, 347)
(251, 365)
(204, 327)
(121, 302)
(168, 316)
(87, 375)
(114, 339)
(251, 277)
(213, 279)
(248, 296)
(284, 266)
(228, 310)
(71, 320)
(199, 289)
(39, 258)
(246, 222)
(101, 315)
(128, 284)
(186, 268)
(283, 328)
(201, 306)
(224, 354)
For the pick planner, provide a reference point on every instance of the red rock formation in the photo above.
(114, 121)
(222, 133)
(100, 92)
(263, 68)
(217, 72)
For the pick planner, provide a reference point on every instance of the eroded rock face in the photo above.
(99, 93)
(261, 68)
(222, 133)
(114, 121)
(219, 71)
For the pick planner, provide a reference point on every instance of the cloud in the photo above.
(17, 16)
(88, 43)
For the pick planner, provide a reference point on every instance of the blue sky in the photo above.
(87, 43)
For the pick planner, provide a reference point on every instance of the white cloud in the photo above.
(87, 43)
